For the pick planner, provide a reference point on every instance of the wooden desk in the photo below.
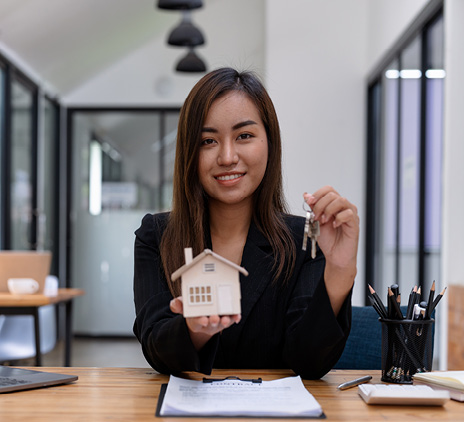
(131, 394)
(29, 305)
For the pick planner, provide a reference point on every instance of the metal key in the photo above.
(314, 232)
(311, 229)
(306, 229)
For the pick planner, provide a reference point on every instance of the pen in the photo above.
(354, 383)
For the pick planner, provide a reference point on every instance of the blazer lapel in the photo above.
(257, 259)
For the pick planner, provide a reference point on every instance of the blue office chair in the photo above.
(363, 349)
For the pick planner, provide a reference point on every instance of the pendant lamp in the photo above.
(186, 34)
(179, 4)
(191, 63)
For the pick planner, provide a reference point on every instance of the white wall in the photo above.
(453, 186)
(387, 21)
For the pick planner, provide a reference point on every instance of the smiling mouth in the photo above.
(230, 177)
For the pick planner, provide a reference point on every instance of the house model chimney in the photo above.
(188, 255)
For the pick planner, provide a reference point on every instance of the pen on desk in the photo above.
(355, 382)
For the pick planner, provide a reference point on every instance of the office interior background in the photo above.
(369, 94)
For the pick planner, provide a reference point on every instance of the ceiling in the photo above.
(66, 42)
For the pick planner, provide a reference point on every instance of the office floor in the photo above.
(96, 352)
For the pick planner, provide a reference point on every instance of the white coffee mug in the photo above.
(23, 286)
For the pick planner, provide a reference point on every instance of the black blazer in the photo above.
(291, 326)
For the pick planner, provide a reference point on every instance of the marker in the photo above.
(354, 383)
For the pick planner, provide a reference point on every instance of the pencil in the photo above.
(395, 307)
(430, 301)
(377, 307)
(378, 300)
(411, 300)
(437, 299)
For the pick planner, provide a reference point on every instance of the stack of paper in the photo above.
(453, 381)
(285, 397)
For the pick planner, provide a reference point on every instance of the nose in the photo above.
(228, 154)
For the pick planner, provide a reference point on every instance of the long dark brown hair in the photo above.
(188, 221)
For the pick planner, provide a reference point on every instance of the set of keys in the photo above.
(311, 230)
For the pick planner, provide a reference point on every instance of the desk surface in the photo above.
(131, 394)
(8, 299)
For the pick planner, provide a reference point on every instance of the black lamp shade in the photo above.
(186, 35)
(191, 63)
(180, 4)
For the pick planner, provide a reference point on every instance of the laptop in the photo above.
(15, 379)
(24, 264)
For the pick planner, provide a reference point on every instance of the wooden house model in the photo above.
(210, 284)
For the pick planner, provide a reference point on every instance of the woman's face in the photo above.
(234, 150)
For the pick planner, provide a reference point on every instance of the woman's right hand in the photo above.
(202, 328)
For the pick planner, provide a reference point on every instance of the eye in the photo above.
(207, 141)
(245, 136)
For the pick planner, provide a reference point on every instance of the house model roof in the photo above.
(178, 273)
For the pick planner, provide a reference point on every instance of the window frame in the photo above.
(419, 28)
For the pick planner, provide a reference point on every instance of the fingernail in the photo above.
(309, 198)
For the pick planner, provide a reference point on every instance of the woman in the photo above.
(296, 311)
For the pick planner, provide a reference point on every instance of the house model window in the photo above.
(209, 267)
(210, 284)
(200, 295)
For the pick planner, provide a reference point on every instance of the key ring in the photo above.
(307, 208)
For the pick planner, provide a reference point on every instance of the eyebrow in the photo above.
(234, 127)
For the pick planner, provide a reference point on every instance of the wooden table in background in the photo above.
(131, 395)
(11, 304)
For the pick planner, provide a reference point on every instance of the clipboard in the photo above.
(226, 416)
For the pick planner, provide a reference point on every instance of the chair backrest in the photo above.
(363, 349)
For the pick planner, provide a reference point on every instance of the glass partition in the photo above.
(122, 165)
(409, 160)
(2, 149)
(22, 173)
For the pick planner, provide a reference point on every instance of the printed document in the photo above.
(284, 397)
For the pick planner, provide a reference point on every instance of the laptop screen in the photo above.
(24, 264)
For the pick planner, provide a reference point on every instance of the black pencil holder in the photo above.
(407, 348)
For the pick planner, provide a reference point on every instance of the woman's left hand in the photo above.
(338, 240)
(339, 226)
